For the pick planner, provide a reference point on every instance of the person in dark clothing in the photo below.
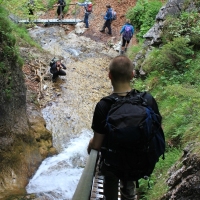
(31, 7)
(56, 70)
(120, 73)
(108, 20)
(61, 6)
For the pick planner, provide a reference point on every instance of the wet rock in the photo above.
(184, 181)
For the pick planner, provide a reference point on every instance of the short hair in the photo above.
(128, 21)
(121, 69)
(108, 6)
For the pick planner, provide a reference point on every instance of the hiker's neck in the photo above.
(121, 88)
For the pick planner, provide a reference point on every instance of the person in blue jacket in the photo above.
(108, 20)
(127, 32)
(87, 12)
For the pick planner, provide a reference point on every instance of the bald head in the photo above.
(121, 69)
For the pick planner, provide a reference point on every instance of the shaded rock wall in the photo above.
(184, 180)
(153, 36)
(24, 140)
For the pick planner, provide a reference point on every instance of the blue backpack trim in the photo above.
(131, 151)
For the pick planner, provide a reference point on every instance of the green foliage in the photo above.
(158, 178)
(187, 25)
(173, 79)
(133, 50)
(180, 107)
(172, 60)
(143, 15)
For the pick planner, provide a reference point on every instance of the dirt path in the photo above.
(96, 19)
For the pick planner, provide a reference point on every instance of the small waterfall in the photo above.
(58, 176)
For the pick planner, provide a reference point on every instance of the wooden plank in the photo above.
(51, 21)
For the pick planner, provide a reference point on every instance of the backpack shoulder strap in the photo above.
(111, 98)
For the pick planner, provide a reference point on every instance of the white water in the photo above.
(58, 176)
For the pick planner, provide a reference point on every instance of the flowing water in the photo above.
(68, 112)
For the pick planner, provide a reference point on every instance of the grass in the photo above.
(178, 97)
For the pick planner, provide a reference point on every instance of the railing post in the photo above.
(84, 186)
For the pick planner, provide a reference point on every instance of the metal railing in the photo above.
(84, 187)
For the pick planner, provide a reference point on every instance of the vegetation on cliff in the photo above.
(173, 78)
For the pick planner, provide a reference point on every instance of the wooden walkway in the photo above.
(51, 21)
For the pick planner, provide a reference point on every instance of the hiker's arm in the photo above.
(132, 31)
(122, 30)
(95, 142)
(63, 66)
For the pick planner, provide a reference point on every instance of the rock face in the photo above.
(184, 181)
(24, 140)
(153, 36)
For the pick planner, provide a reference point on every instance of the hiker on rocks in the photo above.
(56, 69)
(120, 74)
(108, 20)
(60, 7)
(88, 10)
(127, 32)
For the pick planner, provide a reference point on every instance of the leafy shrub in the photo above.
(187, 25)
(143, 15)
(174, 56)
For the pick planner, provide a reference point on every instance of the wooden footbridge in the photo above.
(51, 21)
(47, 21)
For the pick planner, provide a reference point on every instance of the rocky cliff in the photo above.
(184, 176)
(24, 140)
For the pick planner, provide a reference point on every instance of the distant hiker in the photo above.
(56, 69)
(127, 130)
(31, 7)
(61, 5)
(108, 20)
(88, 10)
(127, 32)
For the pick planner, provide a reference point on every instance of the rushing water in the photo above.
(68, 113)
(58, 176)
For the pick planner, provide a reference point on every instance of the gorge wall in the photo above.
(24, 140)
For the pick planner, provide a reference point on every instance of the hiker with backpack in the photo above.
(61, 6)
(31, 7)
(127, 32)
(108, 20)
(127, 131)
(56, 69)
(88, 10)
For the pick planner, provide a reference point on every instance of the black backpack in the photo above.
(135, 138)
(63, 3)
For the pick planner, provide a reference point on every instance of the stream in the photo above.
(69, 107)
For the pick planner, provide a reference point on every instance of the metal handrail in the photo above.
(84, 186)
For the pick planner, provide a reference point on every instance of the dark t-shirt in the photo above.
(102, 108)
